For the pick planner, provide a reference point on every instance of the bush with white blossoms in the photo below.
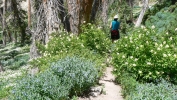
(147, 57)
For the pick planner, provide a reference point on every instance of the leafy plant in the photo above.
(146, 56)
(95, 39)
(65, 78)
(149, 91)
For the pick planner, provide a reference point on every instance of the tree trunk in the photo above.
(1, 68)
(140, 18)
(48, 21)
(29, 14)
(15, 37)
(64, 17)
(95, 7)
(19, 21)
(105, 11)
(74, 11)
(4, 22)
(87, 5)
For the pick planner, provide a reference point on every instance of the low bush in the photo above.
(149, 91)
(95, 39)
(62, 45)
(65, 78)
(147, 56)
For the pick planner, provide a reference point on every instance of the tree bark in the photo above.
(29, 13)
(47, 15)
(105, 11)
(140, 18)
(96, 4)
(87, 5)
(4, 23)
(74, 11)
(19, 21)
(64, 17)
(1, 68)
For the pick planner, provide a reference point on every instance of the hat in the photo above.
(116, 17)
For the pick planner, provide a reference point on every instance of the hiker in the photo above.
(115, 26)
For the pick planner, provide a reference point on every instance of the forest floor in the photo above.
(111, 90)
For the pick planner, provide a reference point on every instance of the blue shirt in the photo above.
(115, 25)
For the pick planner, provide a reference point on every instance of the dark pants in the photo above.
(115, 34)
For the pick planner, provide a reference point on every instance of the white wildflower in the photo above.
(147, 42)
(148, 63)
(157, 72)
(171, 38)
(131, 57)
(141, 46)
(142, 27)
(155, 52)
(123, 56)
(136, 59)
(164, 42)
(169, 54)
(134, 64)
(99, 27)
(158, 49)
(153, 27)
(167, 33)
(175, 29)
(126, 37)
(167, 46)
(137, 47)
(156, 44)
(164, 55)
(126, 63)
(150, 73)
(161, 45)
(139, 72)
(139, 35)
(152, 51)
(175, 55)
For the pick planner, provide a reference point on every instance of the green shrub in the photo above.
(95, 39)
(65, 78)
(79, 73)
(149, 91)
(147, 56)
(62, 45)
(165, 20)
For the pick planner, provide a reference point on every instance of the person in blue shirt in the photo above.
(115, 26)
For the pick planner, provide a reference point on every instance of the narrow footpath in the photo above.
(111, 91)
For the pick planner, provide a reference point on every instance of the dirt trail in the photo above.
(111, 91)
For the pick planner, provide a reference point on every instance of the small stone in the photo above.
(93, 94)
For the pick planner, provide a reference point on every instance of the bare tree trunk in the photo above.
(1, 68)
(4, 22)
(19, 21)
(87, 10)
(140, 18)
(29, 13)
(1, 18)
(96, 4)
(74, 11)
(15, 37)
(105, 11)
(47, 21)
(64, 17)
